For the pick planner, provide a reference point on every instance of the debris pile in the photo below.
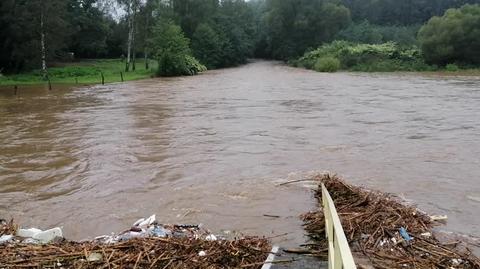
(146, 244)
(389, 233)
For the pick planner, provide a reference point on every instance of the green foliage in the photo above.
(89, 29)
(366, 57)
(293, 26)
(235, 27)
(193, 65)
(327, 64)
(206, 46)
(170, 48)
(20, 32)
(454, 37)
(84, 72)
(228, 32)
(404, 12)
(365, 32)
(222, 32)
(452, 67)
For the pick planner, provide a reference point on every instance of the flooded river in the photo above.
(211, 148)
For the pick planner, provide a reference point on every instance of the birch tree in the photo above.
(42, 40)
(131, 9)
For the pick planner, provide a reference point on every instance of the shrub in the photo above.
(194, 66)
(451, 67)
(365, 57)
(327, 64)
(171, 49)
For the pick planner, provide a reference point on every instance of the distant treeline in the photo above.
(184, 35)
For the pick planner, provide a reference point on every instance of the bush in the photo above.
(194, 66)
(327, 64)
(452, 67)
(453, 37)
(366, 57)
(171, 49)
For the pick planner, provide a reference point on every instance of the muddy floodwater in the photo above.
(211, 148)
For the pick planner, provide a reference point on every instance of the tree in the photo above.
(171, 49)
(131, 9)
(89, 29)
(396, 13)
(191, 13)
(454, 37)
(207, 47)
(293, 26)
(33, 33)
(234, 24)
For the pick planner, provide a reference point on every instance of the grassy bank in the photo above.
(386, 57)
(82, 72)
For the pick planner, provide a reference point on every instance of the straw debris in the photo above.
(373, 222)
(147, 252)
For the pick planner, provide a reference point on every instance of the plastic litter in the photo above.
(48, 235)
(439, 217)
(136, 223)
(94, 257)
(405, 235)
(159, 231)
(427, 234)
(149, 227)
(211, 237)
(202, 253)
(39, 235)
(145, 223)
(30, 241)
(129, 235)
(6, 238)
(364, 236)
(28, 232)
(456, 262)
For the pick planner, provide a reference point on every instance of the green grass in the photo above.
(82, 72)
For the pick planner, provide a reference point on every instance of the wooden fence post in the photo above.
(49, 83)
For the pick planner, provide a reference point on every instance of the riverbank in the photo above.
(83, 72)
(386, 57)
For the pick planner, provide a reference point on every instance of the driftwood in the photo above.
(149, 252)
(372, 220)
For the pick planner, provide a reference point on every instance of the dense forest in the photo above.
(186, 36)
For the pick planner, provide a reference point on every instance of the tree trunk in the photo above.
(129, 40)
(42, 42)
(145, 53)
(134, 27)
(134, 51)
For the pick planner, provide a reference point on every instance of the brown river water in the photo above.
(211, 148)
